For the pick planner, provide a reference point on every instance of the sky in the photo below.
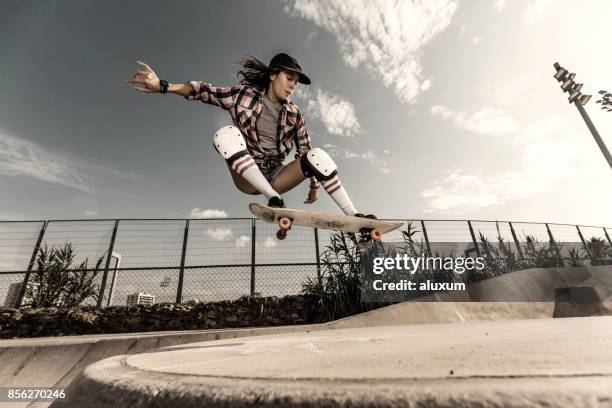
(441, 109)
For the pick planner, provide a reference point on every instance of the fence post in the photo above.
(26, 278)
(426, 238)
(179, 287)
(108, 259)
(584, 244)
(318, 257)
(474, 238)
(607, 236)
(516, 241)
(554, 244)
(253, 237)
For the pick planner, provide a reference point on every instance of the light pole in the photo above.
(579, 100)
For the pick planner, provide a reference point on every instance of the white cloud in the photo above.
(209, 213)
(543, 166)
(242, 241)
(500, 5)
(336, 113)
(308, 40)
(19, 157)
(535, 11)
(219, 233)
(476, 40)
(369, 156)
(22, 158)
(386, 38)
(486, 121)
(269, 243)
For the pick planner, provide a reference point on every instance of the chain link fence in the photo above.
(182, 260)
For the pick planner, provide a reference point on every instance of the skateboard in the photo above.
(370, 229)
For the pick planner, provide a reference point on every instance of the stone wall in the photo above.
(244, 312)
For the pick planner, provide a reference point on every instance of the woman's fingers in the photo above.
(148, 68)
(141, 89)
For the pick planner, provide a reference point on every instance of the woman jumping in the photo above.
(266, 126)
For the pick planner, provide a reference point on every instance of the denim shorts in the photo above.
(271, 172)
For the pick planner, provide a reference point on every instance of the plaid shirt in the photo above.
(244, 104)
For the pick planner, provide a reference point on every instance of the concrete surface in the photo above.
(56, 361)
(546, 362)
(516, 363)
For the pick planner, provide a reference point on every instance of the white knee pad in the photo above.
(316, 162)
(229, 142)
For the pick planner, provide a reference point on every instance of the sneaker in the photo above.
(372, 216)
(276, 202)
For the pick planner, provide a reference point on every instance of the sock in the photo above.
(247, 168)
(339, 195)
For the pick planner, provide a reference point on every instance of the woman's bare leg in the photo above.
(289, 176)
(241, 183)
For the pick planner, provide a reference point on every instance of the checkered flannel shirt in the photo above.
(244, 104)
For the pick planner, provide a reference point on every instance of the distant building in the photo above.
(12, 294)
(140, 299)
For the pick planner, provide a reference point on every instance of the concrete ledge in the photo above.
(56, 361)
(518, 363)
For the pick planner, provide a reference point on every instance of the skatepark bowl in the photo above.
(440, 351)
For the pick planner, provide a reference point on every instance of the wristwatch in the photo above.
(163, 86)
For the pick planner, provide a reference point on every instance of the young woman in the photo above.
(266, 127)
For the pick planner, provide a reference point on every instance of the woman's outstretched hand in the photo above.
(145, 79)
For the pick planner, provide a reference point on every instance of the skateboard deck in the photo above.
(286, 217)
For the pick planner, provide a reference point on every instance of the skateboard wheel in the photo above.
(375, 234)
(281, 234)
(284, 223)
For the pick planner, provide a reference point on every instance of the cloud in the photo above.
(386, 38)
(242, 241)
(535, 11)
(19, 157)
(543, 166)
(336, 113)
(219, 234)
(209, 213)
(308, 40)
(476, 40)
(22, 158)
(369, 156)
(91, 213)
(486, 121)
(269, 243)
(500, 5)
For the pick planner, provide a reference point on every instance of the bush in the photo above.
(55, 282)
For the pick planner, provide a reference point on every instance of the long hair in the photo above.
(254, 72)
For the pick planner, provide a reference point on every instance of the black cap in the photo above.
(284, 61)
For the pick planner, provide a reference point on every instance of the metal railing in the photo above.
(178, 260)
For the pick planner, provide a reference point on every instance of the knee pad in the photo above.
(230, 143)
(317, 163)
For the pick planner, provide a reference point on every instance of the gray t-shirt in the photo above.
(267, 124)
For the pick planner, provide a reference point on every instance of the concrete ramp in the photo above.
(514, 363)
(57, 361)
(525, 294)
(483, 309)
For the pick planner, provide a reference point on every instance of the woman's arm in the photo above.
(147, 81)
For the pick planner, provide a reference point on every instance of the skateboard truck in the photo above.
(368, 234)
(284, 223)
